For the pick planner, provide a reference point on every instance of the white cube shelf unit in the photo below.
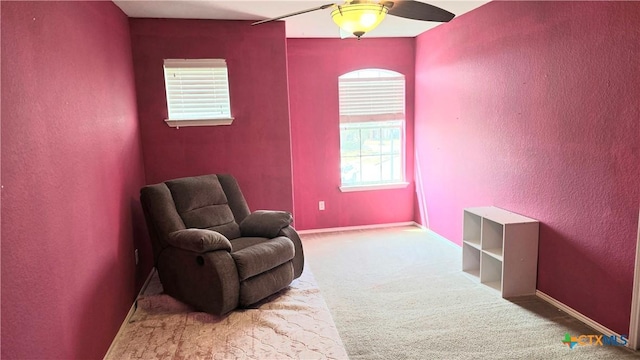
(500, 249)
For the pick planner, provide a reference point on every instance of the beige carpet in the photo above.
(295, 324)
(394, 294)
(401, 294)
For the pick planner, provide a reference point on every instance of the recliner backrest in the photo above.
(201, 203)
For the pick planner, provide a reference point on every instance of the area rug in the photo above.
(294, 324)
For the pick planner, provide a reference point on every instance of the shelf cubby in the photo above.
(471, 260)
(492, 234)
(491, 271)
(472, 228)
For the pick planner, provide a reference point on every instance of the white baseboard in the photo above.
(584, 319)
(378, 226)
(440, 237)
(359, 227)
(634, 323)
(132, 310)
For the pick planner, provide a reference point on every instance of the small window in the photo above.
(197, 92)
(372, 129)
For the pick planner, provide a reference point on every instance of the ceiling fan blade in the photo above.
(293, 14)
(419, 11)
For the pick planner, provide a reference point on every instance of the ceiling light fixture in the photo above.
(359, 18)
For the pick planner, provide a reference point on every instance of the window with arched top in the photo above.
(372, 128)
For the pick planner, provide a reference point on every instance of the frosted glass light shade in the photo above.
(359, 18)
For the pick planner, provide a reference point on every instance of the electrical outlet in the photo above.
(321, 205)
(136, 255)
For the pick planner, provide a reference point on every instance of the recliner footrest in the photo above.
(265, 284)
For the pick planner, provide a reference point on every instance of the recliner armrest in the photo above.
(199, 240)
(265, 223)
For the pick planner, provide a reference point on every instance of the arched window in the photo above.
(372, 123)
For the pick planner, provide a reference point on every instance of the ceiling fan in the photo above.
(360, 16)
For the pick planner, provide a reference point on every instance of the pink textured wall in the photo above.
(256, 148)
(534, 107)
(314, 67)
(71, 172)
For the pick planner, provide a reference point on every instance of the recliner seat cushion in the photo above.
(245, 241)
(264, 256)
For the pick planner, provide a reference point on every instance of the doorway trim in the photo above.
(634, 324)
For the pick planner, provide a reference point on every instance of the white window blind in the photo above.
(379, 98)
(197, 89)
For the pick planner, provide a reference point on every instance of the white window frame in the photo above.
(201, 100)
(366, 110)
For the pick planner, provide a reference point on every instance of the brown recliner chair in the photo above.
(210, 251)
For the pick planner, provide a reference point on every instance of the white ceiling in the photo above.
(317, 24)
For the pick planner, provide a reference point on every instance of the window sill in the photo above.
(400, 185)
(203, 122)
